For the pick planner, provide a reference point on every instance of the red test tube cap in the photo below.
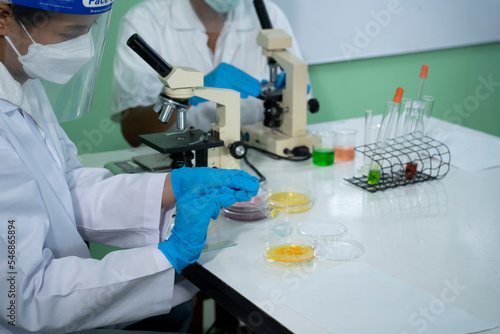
(423, 71)
(398, 95)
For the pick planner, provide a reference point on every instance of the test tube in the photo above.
(404, 122)
(387, 127)
(427, 103)
(371, 132)
(420, 107)
(423, 75)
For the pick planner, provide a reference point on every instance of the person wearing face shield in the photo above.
(50, 52)
(216, 37)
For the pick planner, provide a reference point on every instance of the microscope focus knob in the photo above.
(313, 105)
(238, 149)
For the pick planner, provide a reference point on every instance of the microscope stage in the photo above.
(166, 142)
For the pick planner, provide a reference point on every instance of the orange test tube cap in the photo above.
(423, 71)
(398, 95)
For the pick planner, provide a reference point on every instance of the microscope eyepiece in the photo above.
(136, 43)
(261, 9)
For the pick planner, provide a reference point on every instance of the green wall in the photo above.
(464, 81)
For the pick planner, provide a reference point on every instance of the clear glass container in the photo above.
(323, 154)
(345, 141)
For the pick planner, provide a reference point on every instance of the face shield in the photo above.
(59, 42)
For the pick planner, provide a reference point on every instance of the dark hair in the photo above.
(31, 17)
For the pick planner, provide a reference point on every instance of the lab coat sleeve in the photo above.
(134, 82)
(117, 210)
(66, 293)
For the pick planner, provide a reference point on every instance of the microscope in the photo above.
(219, 148)
(285, 110)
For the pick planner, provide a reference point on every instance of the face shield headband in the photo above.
(70, 86)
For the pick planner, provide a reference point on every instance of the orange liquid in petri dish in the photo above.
(290, 253)
(290, 201)
(344, 153)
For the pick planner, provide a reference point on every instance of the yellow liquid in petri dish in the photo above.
(290, 201)
(290, 253)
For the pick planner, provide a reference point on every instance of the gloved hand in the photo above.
(230, 77)
(281, 82)
(245, 185)
(194, 210)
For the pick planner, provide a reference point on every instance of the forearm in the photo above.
(168, 193)
(142, 120)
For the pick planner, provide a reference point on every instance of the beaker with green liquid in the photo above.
(323, 153)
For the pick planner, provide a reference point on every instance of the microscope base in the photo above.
(271, 140)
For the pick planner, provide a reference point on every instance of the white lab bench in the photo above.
(424, 234)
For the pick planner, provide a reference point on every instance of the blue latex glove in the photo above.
(245, 185)
(230, 77)
(189, 234)
(281, 82)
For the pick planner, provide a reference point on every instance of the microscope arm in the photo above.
(226, 126)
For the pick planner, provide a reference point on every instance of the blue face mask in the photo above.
(223, 6)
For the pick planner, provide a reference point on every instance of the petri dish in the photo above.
(255, 209)
(330, 237)
(290, 199)
(291, 252)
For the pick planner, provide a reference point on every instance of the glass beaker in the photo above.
(323, 148)
(345, 141)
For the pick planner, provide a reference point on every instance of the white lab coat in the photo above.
(173, 29)
(54, 204)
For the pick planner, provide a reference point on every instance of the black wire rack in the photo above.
(403, 160)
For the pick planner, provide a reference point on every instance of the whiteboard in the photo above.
(341, 30)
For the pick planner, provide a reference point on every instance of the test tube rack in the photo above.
(394, 158)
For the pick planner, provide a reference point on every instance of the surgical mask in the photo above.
(56, 63)
(223, 6)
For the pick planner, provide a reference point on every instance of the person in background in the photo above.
(216, 37)
(50, 205)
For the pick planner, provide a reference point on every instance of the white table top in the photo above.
(422, 234)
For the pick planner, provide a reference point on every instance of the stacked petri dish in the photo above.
(289, 199)
(253, 210)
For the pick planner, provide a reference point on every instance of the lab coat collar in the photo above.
(14, 93)
(241, 18)
(183, 16)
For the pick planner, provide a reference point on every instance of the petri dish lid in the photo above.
(342, 250)
(254, 209)
(322, 230)
(331, 242)
(255, 203)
